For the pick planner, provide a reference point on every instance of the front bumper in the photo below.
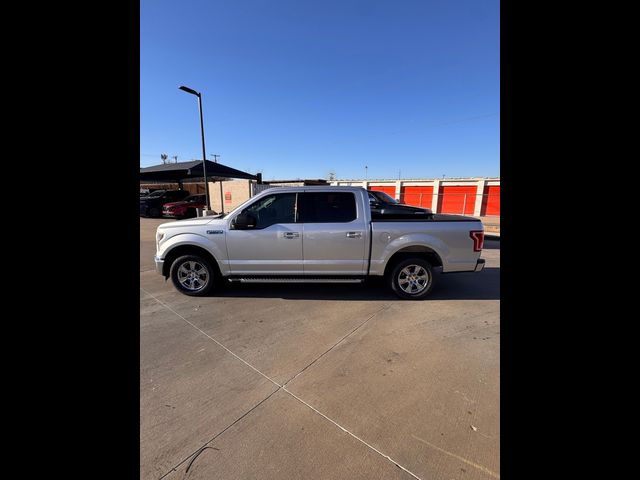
(159, 264)
(479, 265)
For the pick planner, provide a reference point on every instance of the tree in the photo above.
(164, 157)
(332, 176)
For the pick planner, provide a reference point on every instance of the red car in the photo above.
(185, 208)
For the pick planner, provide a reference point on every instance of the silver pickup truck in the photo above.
(318, 234)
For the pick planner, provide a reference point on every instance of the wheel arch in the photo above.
(180, 250)
(413, 251)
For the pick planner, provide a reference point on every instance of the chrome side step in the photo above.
(294, 280)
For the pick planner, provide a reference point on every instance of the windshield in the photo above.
(157, 193)
(383, 197)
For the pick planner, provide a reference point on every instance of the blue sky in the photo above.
(298, 89)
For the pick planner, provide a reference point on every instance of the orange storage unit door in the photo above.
(460, 200)
(389, 190)
(417, 196)
(491, 201)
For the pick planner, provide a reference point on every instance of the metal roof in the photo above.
(192, 169)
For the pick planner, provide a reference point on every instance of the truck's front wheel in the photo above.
(412, 279)
(192, 275)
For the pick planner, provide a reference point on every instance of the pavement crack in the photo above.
(206, 445)
(196, 456)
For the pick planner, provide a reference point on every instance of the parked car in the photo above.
(262, 241)
(151, 205)
(185, 208)
(384, 204)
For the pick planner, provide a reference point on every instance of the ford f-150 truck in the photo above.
(317, 234)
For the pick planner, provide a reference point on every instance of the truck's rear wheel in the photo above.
(192, 275)
(412, 279)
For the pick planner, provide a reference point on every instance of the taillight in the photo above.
(478, 239)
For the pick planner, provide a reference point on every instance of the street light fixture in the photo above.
(204, 155)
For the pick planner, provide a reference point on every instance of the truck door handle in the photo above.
(290, 234)
(354, 234)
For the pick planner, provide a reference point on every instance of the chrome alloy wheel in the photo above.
(413, 279)
(193, 275)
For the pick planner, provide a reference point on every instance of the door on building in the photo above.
(491, 201)
(333, 235)
(274, 245)
(460, 200)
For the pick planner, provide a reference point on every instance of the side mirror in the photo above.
(244, 221)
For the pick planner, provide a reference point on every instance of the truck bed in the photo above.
(447, 235)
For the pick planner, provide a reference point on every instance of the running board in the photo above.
(294, 280)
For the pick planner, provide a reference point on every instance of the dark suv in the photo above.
(151, 205)
(384, 206)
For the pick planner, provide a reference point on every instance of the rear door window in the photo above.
(327, 207)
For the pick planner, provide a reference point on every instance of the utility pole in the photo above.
(175, 157)
(215, 157)
(366, 172)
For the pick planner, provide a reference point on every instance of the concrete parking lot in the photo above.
(319, 381)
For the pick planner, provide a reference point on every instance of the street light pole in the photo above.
(204, 155)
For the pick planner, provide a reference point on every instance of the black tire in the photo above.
(203, 272)
(403, 282)
(154, 212)
(191, 213)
